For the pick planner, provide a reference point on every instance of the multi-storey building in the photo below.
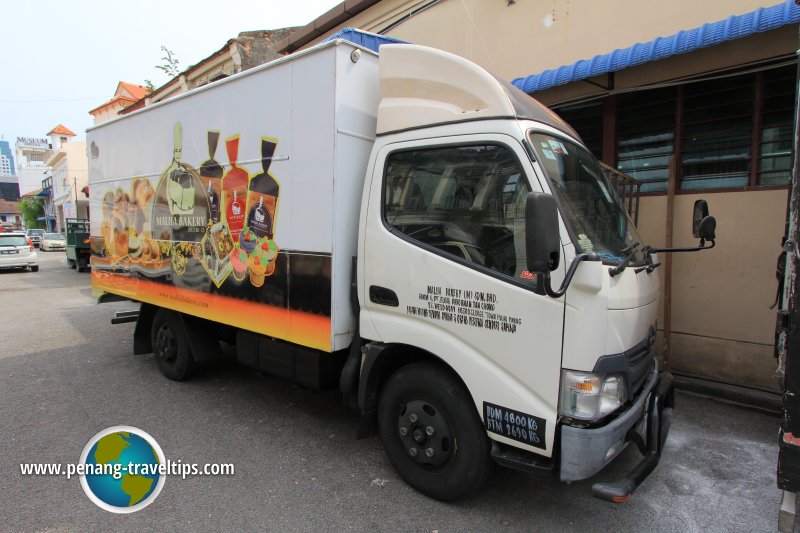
(69, 170)
(46, 197)
(6, 160)
(32, 154)
(9, 188)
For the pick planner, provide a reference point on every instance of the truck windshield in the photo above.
(588, 202)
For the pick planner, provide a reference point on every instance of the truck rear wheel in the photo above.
(431, 432)
(170, 345)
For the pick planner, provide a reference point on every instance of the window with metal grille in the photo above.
(717, 133)
(587, 119)
(646, 136)
(775, 137)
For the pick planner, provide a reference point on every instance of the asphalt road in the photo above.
(67, 373)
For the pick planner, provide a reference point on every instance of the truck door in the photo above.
(443, 254)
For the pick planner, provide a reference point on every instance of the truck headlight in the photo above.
(588, 397)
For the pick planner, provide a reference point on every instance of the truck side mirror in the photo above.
(542, 241)
(703, 226)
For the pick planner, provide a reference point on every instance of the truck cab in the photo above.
(452, 301)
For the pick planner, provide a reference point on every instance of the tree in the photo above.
(32, 209)
(170, 66)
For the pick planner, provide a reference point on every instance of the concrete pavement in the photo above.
(66, 373)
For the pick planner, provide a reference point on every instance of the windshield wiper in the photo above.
(630, 252)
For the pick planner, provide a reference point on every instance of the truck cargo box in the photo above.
(238, 202)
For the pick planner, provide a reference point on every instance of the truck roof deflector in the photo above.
(422, 86)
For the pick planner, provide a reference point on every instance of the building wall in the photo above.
(70, 175)
(721, 318)
(31, 158)
(110, 111)
(248, 50)
(529, 37)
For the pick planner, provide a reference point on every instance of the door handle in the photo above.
(383, 296)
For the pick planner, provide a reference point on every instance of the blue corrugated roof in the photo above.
(736, 27)
(373, 41)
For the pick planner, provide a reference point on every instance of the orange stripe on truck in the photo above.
(298, 327)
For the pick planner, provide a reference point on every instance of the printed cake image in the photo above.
(215, 252)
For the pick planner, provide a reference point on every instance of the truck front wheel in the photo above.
(170, 345)
(431, 432)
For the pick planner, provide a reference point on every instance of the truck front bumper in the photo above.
(584, 452)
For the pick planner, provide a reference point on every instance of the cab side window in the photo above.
(465, 201)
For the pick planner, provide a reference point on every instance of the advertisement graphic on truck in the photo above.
(162, 232)
(411, 229)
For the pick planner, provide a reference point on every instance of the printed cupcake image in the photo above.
(262, 261)
(271, 253)
(248, 239)
(239, 263)
(258, 269)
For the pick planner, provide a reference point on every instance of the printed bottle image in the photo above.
(211, 174)
(235, 215)
(180, 184)
(213, 203)
(263, 195)
(234, 190)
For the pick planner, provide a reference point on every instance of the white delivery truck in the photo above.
(403, 226)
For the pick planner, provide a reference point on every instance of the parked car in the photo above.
(53, 241)
(17, 251)
(35, 235)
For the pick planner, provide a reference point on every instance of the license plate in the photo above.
(9, 252)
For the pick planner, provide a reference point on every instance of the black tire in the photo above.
(170, 346)
(35, 268)
(453, 460)
(71, 263)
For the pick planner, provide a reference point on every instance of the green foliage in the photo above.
(170, 65)
(31, 210)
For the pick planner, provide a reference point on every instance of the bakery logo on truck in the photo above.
(181, 207)
(221, 220)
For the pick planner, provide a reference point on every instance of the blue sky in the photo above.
(60, 58)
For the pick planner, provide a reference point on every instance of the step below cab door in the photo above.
(443, 269)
